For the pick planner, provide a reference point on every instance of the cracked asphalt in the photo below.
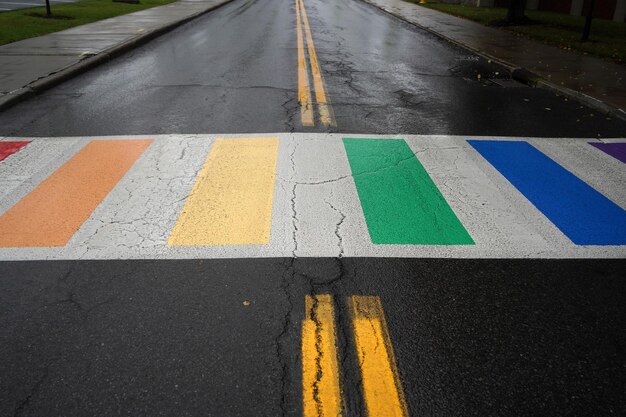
(162, 338)
(221, 337)
(234, 71)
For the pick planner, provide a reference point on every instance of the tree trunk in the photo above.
(516, 12)
(587, 27)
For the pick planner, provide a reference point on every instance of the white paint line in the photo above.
(25, 169)
(329, 217)
(600, 170)
(485, 203)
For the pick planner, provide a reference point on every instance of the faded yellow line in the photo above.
(304, 92)
(326, 114)
(231, 201)
(321, 394)
(381, 384)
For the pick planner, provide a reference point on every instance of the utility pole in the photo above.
(587, 28)
(48, 11)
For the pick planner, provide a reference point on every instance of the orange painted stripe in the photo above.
(51, 213)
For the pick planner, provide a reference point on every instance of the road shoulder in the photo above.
(597, 83)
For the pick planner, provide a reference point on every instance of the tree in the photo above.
(516, 15)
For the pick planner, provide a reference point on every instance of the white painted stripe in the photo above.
(602, 171)
(23, 170)
(485, 203)
(316, 207)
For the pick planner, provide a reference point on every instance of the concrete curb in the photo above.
(42, 84)
(522, 74)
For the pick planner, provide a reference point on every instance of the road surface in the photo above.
(309, 208)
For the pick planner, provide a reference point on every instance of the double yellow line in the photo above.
(381, 385)
(304, 91)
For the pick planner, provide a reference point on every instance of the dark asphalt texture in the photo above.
(173, 338)
(234, 71)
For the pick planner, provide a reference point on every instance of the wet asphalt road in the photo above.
(173, 338)
(165, 338)
(234, 71)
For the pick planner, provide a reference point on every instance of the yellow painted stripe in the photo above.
(231, 201)
(320, 371)
(304, 92)
(326, 114)
(381, 383)
(51, 213)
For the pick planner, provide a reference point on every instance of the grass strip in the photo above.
(608, 38)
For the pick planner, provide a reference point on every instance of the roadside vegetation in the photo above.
(27, 23)
(608, 38)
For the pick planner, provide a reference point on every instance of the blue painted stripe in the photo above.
(580, 212)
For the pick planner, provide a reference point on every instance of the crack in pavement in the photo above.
(290, 112)
(281, 340)
(143, 231)
(319, 354)
(287, 280)
(294, 213)
(338, 226)
(221, 87)
(353, 175)
(21, 406)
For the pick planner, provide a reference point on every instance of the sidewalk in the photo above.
(35, 64)
(595, 81)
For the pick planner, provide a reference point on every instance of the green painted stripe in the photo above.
(402, 205)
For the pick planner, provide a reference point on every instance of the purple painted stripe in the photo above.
(616, 150)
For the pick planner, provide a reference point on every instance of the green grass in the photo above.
(608, 38)
(28, 23)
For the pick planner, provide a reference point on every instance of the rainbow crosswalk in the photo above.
(282, 195)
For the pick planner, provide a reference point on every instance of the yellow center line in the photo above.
(326, 114)
(304, 92)
(321, 394)
(381, 383)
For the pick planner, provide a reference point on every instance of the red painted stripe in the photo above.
(9, 148)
